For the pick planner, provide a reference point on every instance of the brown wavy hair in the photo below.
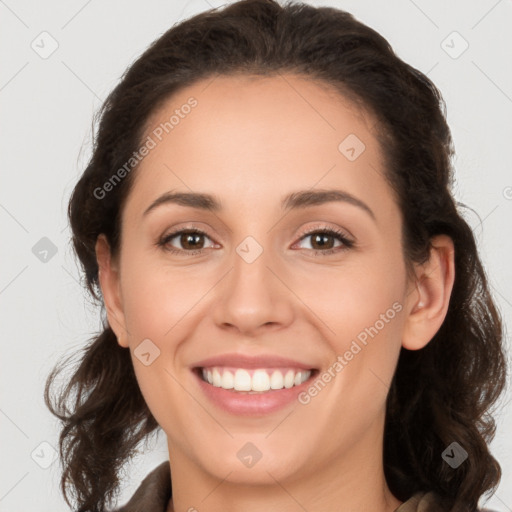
(439, 394)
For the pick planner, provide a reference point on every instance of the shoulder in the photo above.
(153, 493)
(426, 502)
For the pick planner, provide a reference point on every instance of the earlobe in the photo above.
(428, 303)
(108, 276)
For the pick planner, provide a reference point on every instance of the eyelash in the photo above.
(347, 244)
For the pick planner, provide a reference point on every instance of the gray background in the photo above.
(47, 105)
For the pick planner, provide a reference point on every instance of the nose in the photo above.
(254, 295)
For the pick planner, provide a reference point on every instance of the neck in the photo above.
(347, 482)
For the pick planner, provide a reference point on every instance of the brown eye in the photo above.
(323, 240)
(189, 239)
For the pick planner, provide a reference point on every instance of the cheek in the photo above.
(160, 305)
(156, 298)
(157, 310)
(359, 300)
(362, 309)
(364, 339)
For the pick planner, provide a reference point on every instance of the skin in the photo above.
(249, 142)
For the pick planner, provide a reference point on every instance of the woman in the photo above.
(291, 294)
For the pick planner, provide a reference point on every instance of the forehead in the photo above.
(252, 138)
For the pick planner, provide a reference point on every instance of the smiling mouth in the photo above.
(254, 381)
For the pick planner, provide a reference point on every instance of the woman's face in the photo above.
(256, 285)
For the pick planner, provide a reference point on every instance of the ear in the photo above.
(108, 276)
(427, 304)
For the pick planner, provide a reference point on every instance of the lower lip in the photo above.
(252, 404)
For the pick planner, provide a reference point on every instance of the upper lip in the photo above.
(246, 361)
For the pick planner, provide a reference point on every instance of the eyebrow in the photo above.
(296, 200)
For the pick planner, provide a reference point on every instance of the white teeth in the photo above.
(207, 376)
(277, 380)
(242, 380)
(261, 380)
(289, 379)
(228, 381)
(216, 377)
